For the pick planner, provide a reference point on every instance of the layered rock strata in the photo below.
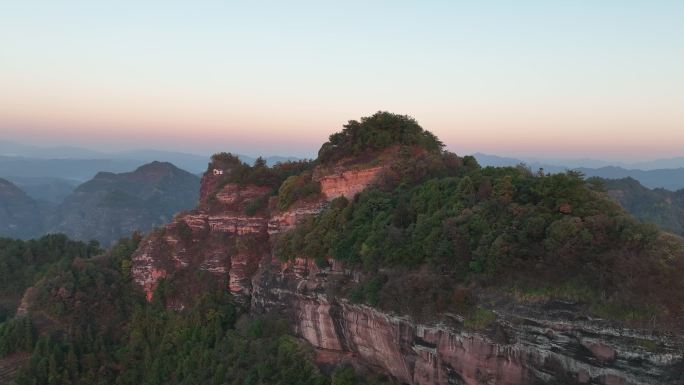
(206, 238)
(524, 345)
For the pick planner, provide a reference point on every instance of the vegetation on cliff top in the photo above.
(493, 227)
(374, 133)
(364, 139)
(290, 180)
(236, 171)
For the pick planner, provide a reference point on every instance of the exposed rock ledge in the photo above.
(528, 346)
(541, 345)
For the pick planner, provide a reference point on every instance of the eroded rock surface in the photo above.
(205, 239)
(347, 183)
(539, 345)
(547, 344)
(210, 237)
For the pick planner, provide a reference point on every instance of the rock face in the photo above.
(208, 238)
(286, 220)
(347, 183)
(542, 345)
(525, 344)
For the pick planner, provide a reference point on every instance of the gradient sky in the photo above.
(541, 78)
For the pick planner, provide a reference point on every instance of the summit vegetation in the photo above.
(487, 228)
(374, 133)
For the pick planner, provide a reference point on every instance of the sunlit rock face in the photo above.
(338, 183)
(347, 183)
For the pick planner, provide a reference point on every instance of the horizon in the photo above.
(524, 158)
(341, 193)
(580, 80)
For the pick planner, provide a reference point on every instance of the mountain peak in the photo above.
(151, 194)
(156, 167)
(375, 133)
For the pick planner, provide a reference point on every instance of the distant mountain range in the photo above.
(42, 189)
(21, 161)
(670, 179)
(105, 208)
(20, 215)
(50, 173)
(661, 207)
(666, 163)
(46, 189)
(667, 178)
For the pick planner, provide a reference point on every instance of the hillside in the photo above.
(665, 173)
(659, 206)
(46, 189)
(429, 267)
(25, 162)
(111, 206)
(20, 215)
(403, 260)
(106, 208)
(83, 321)
(670, 179)
(23, 263)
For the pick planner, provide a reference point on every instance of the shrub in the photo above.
(297, 187)
(374, 133)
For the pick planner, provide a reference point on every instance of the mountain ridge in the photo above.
(105, 208)
(18, 212)
(403, 257)
(671, 179)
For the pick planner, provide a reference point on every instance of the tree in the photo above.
(504, 190)
(345, 376)
(377, 132)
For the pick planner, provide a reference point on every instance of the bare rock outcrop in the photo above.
(204, 239)
(208, 238)
(348, 183)
(544, 345)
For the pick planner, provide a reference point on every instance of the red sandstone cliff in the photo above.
(543, 345)
(231, 248)
(209, 238)
(206, 239)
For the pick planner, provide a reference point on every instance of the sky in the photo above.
(599, 79)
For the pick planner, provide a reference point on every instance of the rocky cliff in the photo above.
(222, 240)
(545, 343)
(207, 240)
(525, 343)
